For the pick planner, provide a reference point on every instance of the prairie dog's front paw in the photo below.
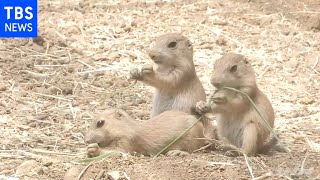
(230, 150)
(202, 107)
(147, 69)
(219, 97)
(135, 73)
(177, 153)
(93, 150)
(234, 153)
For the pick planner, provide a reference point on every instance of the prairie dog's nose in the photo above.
(153, 54)
(87, 139)
(216, 83)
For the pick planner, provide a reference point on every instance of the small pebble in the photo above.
(315, 22)
(67, 91)
(29, 168)
(122, 25)
(116, 175)
(134, 23)
(3, 88)
(72, 174)
(221, 41)
(113, 55)
(119, 31)
(127, 29)
(267, 20)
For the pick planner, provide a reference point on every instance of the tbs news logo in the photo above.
(18, 18)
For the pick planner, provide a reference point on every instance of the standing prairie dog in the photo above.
(237, 120)
(115, 129)
(177, 84)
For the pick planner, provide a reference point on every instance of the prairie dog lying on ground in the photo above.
(115, 129)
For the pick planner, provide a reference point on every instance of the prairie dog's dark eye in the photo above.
(234, 68)
(172, 44)
(100, 123)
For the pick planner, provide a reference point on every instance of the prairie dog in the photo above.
(237, 121)
(115, 129)
(174, 78)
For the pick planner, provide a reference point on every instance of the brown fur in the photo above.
(123, 133)
(177, 85)
(237, 121)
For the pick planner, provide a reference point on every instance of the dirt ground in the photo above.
(51, 86)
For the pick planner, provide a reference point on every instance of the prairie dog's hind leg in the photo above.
(250, 139)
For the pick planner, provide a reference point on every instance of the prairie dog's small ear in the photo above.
(245, 60)
(118, 113)
(189, 43)
(122, 114)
